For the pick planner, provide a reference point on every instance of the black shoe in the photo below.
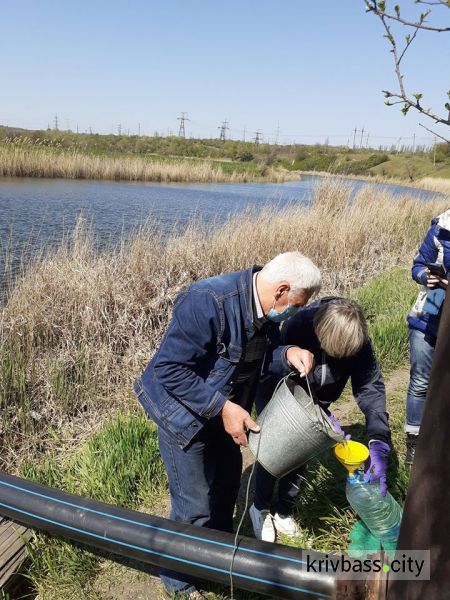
(411, 440)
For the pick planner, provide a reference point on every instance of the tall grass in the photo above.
(80, 325)
(386, 300)
(435, 184)
(29, 159)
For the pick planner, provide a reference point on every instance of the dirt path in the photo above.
(127, 582)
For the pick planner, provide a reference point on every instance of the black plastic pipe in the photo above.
(271, 569)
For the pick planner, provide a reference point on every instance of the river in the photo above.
(36, 213)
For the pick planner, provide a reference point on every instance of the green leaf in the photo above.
(405, 109)
(397, 10)
(447, 105)
(382, 6)
(417, 96)
(408, 37)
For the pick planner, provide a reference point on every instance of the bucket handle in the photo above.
(292, 374)
(310, 393)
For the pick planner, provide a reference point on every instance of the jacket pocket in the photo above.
(226, 362)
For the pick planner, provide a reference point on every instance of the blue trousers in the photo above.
(421, 351)
(288, 490)
(204, 482)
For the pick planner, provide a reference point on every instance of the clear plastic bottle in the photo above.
(381, 514)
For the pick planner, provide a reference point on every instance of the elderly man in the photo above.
(200, 385)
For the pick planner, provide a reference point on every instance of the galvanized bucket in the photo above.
(293, 430)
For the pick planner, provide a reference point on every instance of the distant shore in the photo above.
(440, 185)
(33, 160)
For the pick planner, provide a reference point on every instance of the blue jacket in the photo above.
(435, 248)
(330, 375)
(188, 380)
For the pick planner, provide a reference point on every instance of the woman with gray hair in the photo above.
(334, 330)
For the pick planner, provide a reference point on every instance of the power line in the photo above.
(182, 119)
(257, 138)
(277, 134)
(223, 130)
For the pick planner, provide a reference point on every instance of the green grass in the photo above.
(119, 465)
(386, 301)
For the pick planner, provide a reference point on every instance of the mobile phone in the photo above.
(437, 269)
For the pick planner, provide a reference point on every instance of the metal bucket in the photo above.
(293, 430)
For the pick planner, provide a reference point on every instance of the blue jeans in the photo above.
(204, 482)
(421, 351)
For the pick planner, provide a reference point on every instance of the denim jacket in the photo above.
(188, 380)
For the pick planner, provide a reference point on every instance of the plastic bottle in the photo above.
(381, 514)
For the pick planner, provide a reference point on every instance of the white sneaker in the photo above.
(262, 524)
(286, 525)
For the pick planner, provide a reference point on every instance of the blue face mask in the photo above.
(277, 317)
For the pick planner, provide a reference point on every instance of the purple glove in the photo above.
(337, 426)
(376, 467)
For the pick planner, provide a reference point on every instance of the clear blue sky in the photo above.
(315, 68)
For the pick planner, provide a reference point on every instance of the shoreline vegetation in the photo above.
(439, 185)
(65, 154)
(80, 324)
(32, 160)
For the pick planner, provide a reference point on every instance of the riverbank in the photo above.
(29, 159)
(439, 185)
(181, 159)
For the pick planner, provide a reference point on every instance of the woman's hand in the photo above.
(434, 280)
(302, 360)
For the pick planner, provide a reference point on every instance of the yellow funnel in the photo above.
(351, 454)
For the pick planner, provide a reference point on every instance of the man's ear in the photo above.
(282, 288)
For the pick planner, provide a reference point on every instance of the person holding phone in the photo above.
(430, 269)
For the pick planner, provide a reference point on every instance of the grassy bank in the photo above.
(121, 465)
(224, 158)
(25, 158)
(80, 325)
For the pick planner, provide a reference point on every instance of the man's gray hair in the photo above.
(295, 268)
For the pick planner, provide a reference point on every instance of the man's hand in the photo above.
(301, 360)
(237, 421)
(434, 280)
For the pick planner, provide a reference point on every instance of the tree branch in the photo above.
(436, 134)
(378, 8)
(372, 6)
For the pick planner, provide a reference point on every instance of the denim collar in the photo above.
(246, 294)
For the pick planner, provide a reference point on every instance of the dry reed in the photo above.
(79, 325)
(435, 184)
(34, 160)
(440, 185)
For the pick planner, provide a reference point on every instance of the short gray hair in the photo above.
(295, 268)
(341, 327)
